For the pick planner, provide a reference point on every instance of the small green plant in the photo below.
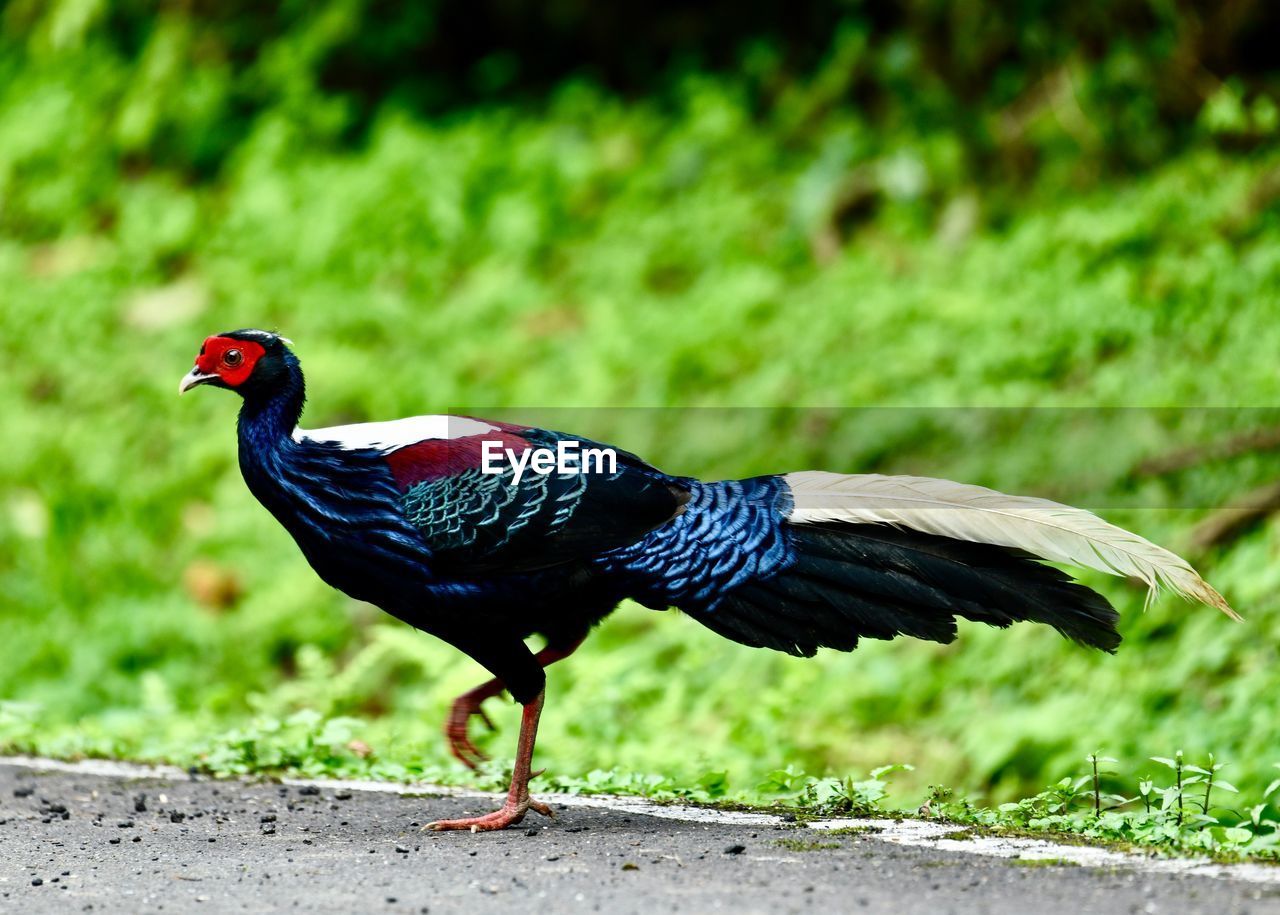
(1094, 759)
(831, 796)
(1042, 862)
(805, 845)
(1078, 807)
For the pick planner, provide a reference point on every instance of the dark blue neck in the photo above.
(342, 507)
(268, 417)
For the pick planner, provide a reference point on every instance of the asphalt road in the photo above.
(73, 842)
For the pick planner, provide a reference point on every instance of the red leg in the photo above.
(518, 802)
(469, 704)
(455, 726)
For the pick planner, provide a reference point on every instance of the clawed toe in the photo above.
(508, 815)
(456, 732)
(539, 807)
(466, 752)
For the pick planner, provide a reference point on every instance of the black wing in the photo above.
(481, 522)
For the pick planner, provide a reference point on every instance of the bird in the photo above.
(478, 532)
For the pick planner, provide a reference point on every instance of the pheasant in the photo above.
(485, 533)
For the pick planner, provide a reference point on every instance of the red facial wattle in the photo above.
(230, 359)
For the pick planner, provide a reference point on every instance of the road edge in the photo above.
(910, 832)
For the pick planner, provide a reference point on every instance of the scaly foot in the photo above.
(518, 802)
(456, 729)
(509, 814)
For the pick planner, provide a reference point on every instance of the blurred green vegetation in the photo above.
(774, 241)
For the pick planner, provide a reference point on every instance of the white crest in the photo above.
(397, 433)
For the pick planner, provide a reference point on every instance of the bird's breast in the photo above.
(343, 510)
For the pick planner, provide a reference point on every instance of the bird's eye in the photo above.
(233, 357)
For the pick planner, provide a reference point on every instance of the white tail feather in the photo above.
(1048, 530)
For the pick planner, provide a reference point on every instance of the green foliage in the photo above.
(1070, 807)
(1015, 88)
(830, 796)
(791, 270)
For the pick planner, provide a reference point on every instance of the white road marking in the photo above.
(933, 835)
(918, 833)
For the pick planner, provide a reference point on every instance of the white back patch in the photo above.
(396, 433)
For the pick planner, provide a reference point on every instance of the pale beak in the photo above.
(193, 378)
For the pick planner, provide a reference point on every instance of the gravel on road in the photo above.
(79, 842)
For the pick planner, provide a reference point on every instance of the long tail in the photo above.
(877, 556)
(1046, 530)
